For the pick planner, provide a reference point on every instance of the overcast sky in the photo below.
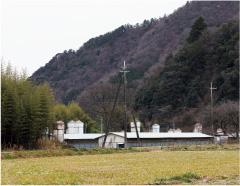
(33, 31)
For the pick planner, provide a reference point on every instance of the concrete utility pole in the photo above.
(110, 117)
(138, 139)
(101, 119)
(125, 104)
(212, 88)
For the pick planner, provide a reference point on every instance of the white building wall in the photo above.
(58, 132)
(112, 141)
(133, 126)
(155, 128)
(71, 127)
(75, 127)
(79, 125)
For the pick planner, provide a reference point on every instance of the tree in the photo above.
(26, 109)
(226, 117)
(197, 28)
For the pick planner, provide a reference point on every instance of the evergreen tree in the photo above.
(197, 28)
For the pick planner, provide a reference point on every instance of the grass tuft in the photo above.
(175, 178)
(184, 178)
(190, 175)
(7, 156)
(160, 179)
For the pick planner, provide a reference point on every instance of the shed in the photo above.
(82, 140)
(116, 139)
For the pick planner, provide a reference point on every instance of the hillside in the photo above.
(180, 89)
(143, 46)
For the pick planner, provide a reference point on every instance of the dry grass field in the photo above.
(155, 167)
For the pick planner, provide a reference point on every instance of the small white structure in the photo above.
(133, 126)
(70, 126)
(75, 127)
(156, 128)
(219, 131)
(58, 131)
(79, 125)
(197, 128)
(178, 130)
(175, 131)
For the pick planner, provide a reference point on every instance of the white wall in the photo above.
(156, 128)
(133, 126)
(75, 127)
(111, 141)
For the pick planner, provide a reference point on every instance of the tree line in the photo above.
(28, 109)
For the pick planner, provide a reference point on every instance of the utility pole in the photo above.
(138, 139)
(173, 127)
(125, 104)
(101, 119)
(212, 88)
(110, 117)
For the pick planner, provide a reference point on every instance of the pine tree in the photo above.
(197, 28)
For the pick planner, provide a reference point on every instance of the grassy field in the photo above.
(154, 167)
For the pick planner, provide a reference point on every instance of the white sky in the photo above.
(33, 31)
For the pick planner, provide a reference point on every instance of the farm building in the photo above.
(221, 138)
(78, 139)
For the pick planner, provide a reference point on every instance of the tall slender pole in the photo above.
(101, 125)
(110, 117)
(211, 88)
(125, 105)
(138, 139)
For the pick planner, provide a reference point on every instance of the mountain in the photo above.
(144, 47)
(181, 89)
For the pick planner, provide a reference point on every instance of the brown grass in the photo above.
(74, 152)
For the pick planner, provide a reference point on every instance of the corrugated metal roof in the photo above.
(164, 135)
(132, 135)
(82, 136)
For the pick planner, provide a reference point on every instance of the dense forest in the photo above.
(28, 110)
(183, 84)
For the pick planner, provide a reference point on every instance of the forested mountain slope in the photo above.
(144, 47)
(183, 84)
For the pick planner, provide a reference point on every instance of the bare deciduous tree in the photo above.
(225, 116)
(98, 101)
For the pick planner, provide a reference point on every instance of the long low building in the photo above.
(116, 139)
(76, 138)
